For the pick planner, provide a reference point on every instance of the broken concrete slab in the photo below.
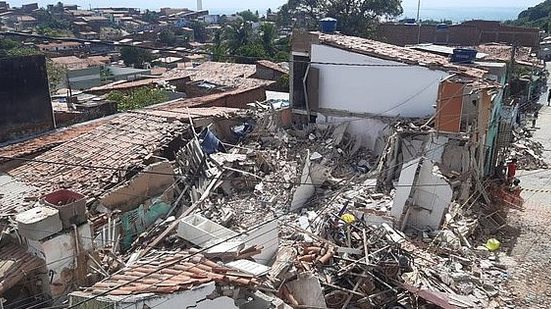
(423, 196)
(307, 291)
(249, 267)
(39, 222)
(155, 180)
(201, 231)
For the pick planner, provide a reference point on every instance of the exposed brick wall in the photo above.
(466, 34)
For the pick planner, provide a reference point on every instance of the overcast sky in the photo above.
(254, 4)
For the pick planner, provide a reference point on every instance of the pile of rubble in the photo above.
(262, 173)
(528, 152)
(338, 247)
(302, 212)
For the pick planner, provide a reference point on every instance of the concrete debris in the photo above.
(334, 226)
(529, 153)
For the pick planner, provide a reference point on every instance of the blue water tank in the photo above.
(463, 55)
(328, 25)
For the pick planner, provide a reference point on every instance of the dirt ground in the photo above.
(530, 254)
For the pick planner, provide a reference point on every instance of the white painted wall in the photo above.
(435, 146)
(405, 185)
(371, 130)
(266, 236)
(60, 254)
(432, 197)
(406, 91)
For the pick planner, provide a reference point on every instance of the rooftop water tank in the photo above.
(463, 55)
(328, 25)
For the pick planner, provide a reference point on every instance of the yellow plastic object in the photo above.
(493, 244)
(348, 218)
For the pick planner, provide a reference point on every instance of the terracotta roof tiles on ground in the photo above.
(183, 113)
(233, 75)
(125, 85)
(166, 272)
(120, 144)
(502, 52)
(101, 157)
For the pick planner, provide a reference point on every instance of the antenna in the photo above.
(199, 5)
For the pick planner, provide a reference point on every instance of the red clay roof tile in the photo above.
(179, 278)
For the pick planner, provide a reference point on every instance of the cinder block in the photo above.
(39, 222)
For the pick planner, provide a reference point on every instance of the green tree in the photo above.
(249, 16)
(12, 48)
(355, 17)
(137, 98)
(268, 34)
(434, 22)
(136, 57)
(284, 17)
(57, 75)
(45, 19)
(151, 17)
(238, 34)
(219, 49)
(538, 16)
(167, 37)
(250, 53)
(200, 32)
(54, 32)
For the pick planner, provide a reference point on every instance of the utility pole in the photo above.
(419, 21)
(510, 71)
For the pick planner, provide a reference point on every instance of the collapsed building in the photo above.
(369, 199)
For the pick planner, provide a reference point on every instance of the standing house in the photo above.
(472, 107)
(340, 78)
(485, 102)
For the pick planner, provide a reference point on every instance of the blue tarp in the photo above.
(210, 143)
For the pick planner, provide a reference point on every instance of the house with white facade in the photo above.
(338, 78)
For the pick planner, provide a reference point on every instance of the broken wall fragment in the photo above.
(423, 196)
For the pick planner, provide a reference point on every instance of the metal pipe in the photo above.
(77, 245)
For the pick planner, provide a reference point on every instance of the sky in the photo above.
(225, 6)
